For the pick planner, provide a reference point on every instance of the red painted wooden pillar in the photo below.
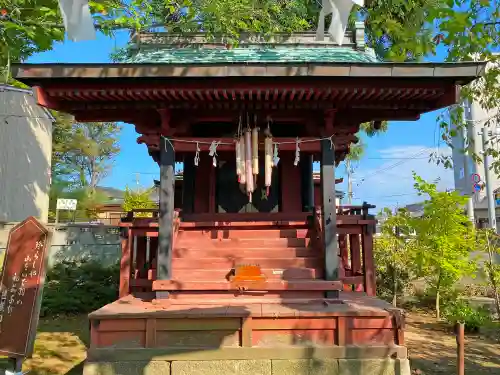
(368, 263)
(125, 262)
(355, 246)
(344, 258)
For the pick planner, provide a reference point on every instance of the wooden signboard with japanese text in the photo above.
(23, 276)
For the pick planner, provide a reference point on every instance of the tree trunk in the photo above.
(395, 286)
(438, 302)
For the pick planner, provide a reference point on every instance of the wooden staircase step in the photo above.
(270, 285)
(222, 274)
(233, 296)
(243, 233)
(220, 263)
(244, 225)
(240, 254)
(235, 243)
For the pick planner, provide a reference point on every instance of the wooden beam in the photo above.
(269, 83)
(44, 99)
(329, 212)
(188, 144)
(165, 115)
(166, 215)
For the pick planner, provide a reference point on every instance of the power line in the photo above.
(377, 171)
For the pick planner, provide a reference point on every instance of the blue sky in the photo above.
(382, 177)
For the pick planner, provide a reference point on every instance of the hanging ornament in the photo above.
(297, 152)
(255, 151)
(248, 164)
(243, 177)
(238, 159)
(213, 152)
(197, 155)
(268, 162)
(276, 158)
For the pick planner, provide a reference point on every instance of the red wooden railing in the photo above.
(355, 239)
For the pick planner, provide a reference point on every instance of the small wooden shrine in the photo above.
(252, 273)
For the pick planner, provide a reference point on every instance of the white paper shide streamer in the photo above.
(77, 19)
(340, 10)
(213, 152)
(297, 152)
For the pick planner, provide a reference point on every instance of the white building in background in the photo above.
(25, 156)
(477, 119)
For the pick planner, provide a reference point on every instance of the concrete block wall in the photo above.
(77, 241)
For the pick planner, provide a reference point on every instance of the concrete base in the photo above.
(253, 367)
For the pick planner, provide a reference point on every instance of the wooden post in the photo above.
(17, 366)
(125, 269)
(368, 262)
(166, 216)
(355, 246)
(329, 212)
(459, 330)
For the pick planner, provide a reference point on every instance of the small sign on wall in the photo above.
(66, 204)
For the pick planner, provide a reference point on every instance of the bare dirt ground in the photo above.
(61, 344)
(432, 348)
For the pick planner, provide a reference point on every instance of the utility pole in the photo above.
(489, 183)
(467, 173)
(349, 181)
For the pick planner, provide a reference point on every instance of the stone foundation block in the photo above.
(127, 368)
(231, 367)
(305, 367)
(374, 366)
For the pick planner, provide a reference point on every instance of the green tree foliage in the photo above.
(393, 250)
(138, 199)
(489, 246)
(84, 153)
(444, 239)
(77, 287)
(27, 27)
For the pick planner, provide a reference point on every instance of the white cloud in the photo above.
(391, 183)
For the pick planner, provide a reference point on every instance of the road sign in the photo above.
(476, 178)
(66, 204)
(477, 187)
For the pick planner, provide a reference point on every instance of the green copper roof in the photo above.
(252, 55)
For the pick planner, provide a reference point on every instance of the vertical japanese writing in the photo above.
(11, 300)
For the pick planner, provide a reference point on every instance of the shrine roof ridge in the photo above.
(262, 54)
(352, 39)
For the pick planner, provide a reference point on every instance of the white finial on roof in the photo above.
(340, 10)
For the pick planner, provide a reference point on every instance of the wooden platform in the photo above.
(354, 319)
